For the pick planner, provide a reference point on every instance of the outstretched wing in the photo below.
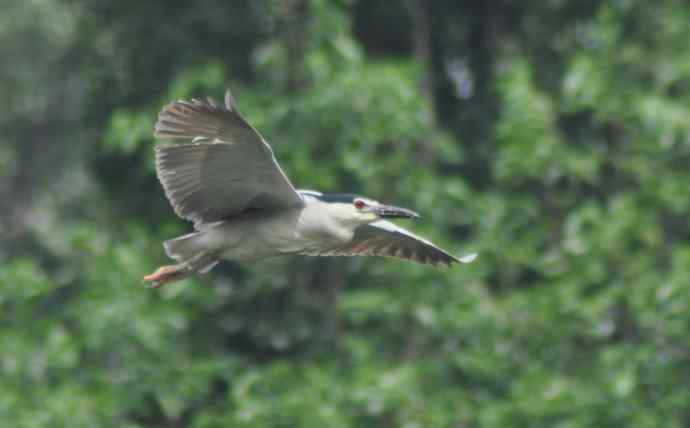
(383, 238)
(227, 169)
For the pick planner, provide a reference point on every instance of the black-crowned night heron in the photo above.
(244, 208)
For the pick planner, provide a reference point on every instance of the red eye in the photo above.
(359, 204)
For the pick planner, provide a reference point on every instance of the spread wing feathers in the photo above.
(233, 169)
(383, 238)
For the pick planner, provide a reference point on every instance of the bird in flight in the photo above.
(244, 208)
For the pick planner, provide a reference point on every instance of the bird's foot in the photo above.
(166, 274)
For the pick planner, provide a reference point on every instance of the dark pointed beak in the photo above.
(389, 211)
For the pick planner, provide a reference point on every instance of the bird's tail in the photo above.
(184, 247)
(191, 250)
(190, 253)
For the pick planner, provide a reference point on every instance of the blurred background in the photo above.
(552, 137)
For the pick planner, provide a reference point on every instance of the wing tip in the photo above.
(451, 259)
(469, 258)
(190, 118)
(230, 102)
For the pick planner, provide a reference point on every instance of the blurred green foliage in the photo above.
(552, 137)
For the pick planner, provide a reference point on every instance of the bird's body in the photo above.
(257, 235)
(244, 207)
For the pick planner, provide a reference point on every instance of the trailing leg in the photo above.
(190, 252)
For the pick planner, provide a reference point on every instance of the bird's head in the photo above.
(356, 210)
(369, 210)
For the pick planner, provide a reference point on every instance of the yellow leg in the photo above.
(166, 274)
